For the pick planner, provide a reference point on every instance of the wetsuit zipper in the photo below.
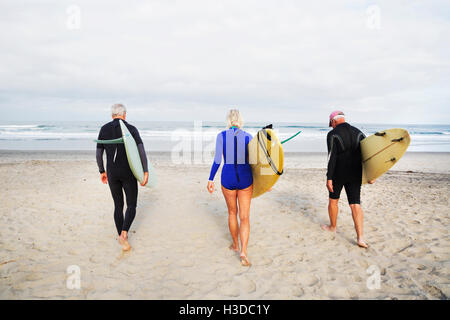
(235, 157)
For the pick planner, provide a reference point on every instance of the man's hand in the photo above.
(144, 183)
(330, 185)
(210, 187)
(104, 178)
(371, 181)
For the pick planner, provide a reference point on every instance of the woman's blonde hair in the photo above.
(234, 118)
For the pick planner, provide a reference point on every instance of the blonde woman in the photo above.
(236, 179)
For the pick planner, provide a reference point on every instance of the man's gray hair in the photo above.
(118, 109)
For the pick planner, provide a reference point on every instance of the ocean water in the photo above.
(165, 136)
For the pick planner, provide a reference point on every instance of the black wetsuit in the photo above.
(344, 161)
(120, 176)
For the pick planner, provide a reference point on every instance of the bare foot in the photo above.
(328, 228)
(361, 243)
(232, 247)
(126, 246)
(244, 261)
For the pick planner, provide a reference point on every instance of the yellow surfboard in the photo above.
(381, 151)
(266, 158)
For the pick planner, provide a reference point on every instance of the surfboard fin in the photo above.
(380, 134)
(115, 141)
(397, 140)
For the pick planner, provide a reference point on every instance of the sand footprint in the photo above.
(435, 292)
(308, 280)
(248, 286)
(186, 262)
(228, 289)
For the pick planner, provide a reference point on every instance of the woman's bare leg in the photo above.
(231, 200)
(244, 198)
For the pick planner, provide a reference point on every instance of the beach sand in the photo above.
(55, 213)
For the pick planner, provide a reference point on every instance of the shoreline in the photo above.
(424, 162)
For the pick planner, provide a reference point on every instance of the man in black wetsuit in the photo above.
(118, 173)
(344, 171)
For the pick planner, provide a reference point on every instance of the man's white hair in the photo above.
(234, 118)
(118, 110)
(339, 116)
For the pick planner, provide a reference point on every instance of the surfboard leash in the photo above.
(115, 141)
(284, 141)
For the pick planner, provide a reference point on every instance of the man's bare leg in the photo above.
(333, 210)
(358, 219)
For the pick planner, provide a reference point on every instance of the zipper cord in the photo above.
(235, 156)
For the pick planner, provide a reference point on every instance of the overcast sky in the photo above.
(378, 61)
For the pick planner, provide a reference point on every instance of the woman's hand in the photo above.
(144, 183)
(210, 187)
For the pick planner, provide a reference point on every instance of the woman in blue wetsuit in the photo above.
(237, 180)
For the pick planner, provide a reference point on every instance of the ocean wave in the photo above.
(275, 127)
(50, 139)
(429, 132)
(305, 127)
(164, 131)
(44, 134)
(26, 128)
(46, 126)
(184, 133)
(14, 126)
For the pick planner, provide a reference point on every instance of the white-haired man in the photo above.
(344, 170)
(118, 173)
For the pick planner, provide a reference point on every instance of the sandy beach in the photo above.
(56, 213)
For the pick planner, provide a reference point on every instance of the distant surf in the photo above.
(163, 136)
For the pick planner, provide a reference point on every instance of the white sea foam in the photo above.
(163, 135)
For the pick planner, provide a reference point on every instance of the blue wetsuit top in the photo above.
(232, 144)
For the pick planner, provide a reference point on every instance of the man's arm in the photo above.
(140, 144)
(332, 156)
(362, 136)
(99, 156)
(142, 154)
(99, 153)
(143, 157)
